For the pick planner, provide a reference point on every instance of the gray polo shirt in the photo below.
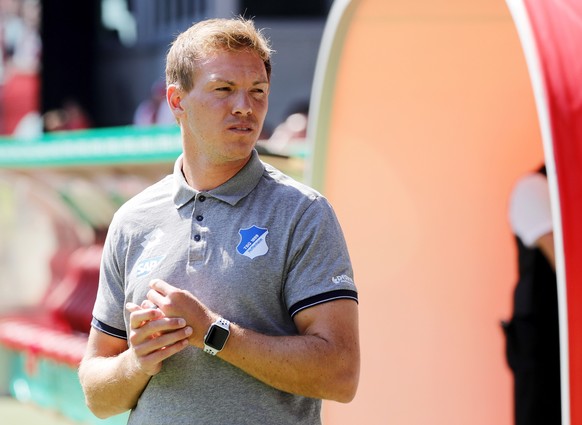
(256, 250)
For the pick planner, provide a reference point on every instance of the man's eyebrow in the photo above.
(222, 81)
(232, 83)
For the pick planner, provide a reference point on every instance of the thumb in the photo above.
(161, 286)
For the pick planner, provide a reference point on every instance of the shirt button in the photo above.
(197, 238)
(199, 218)
(202, 198)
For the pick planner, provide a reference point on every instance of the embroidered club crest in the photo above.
(253, 242)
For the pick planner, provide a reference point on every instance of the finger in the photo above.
(152, 360)
(131, 307)
(165, 325)
(169, 338)
(150, 354)
(144, 347)
(150, 329)
(139, 317)
(156, 298)
(148, 304)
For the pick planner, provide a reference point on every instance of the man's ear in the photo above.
(174, 98)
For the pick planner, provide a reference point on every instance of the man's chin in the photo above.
(239, 153)
(243, 147)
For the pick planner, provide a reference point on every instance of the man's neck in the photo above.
(204, 176)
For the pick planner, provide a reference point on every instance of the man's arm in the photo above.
(546, 244)
(323, 361)
(113, 376)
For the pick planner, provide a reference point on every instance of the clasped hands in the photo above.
(167, 321)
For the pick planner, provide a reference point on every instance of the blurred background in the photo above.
(98, 60)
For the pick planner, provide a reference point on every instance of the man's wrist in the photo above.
(216, 336)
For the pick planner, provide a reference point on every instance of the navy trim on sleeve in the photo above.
(109, 330)
(323, 298)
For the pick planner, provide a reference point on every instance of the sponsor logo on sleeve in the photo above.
(342, 279)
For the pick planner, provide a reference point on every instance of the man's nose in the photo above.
(242, 105)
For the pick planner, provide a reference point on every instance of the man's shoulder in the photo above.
(152, 196)
(530, 184)
(288, 186)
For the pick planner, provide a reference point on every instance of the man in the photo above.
(226, 292)
(533, 345)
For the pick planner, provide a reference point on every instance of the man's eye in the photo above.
(223, 89)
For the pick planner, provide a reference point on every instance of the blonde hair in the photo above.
(210, 36)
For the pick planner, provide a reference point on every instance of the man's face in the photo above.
(224, 112)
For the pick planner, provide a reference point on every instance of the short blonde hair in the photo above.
(210, 36)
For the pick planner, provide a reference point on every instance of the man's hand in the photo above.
(177, 303)
(112, 375)
(154, 337)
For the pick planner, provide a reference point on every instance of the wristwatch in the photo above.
(216, 337)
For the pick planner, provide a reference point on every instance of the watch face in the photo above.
(216, 337)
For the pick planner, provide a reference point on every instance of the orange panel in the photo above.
(432, 121)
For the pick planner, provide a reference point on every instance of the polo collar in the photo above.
(231, 191)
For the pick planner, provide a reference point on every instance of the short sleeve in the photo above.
(109, 309)
(530, 213)
(320, 267)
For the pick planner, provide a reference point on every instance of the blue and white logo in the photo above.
(146, 266)
(253, 242)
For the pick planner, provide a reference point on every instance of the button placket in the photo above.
(197, 242)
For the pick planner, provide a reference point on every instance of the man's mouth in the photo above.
(243, 128)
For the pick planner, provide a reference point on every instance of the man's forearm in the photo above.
(323, 361)
(112, 385)
(305, 364)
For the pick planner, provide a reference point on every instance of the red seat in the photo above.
(58, 328)
(73, 299)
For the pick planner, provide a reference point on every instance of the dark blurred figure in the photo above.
(533, 344)
(71, 116)
(154, 110)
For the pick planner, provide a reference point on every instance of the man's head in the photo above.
(206, 38)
